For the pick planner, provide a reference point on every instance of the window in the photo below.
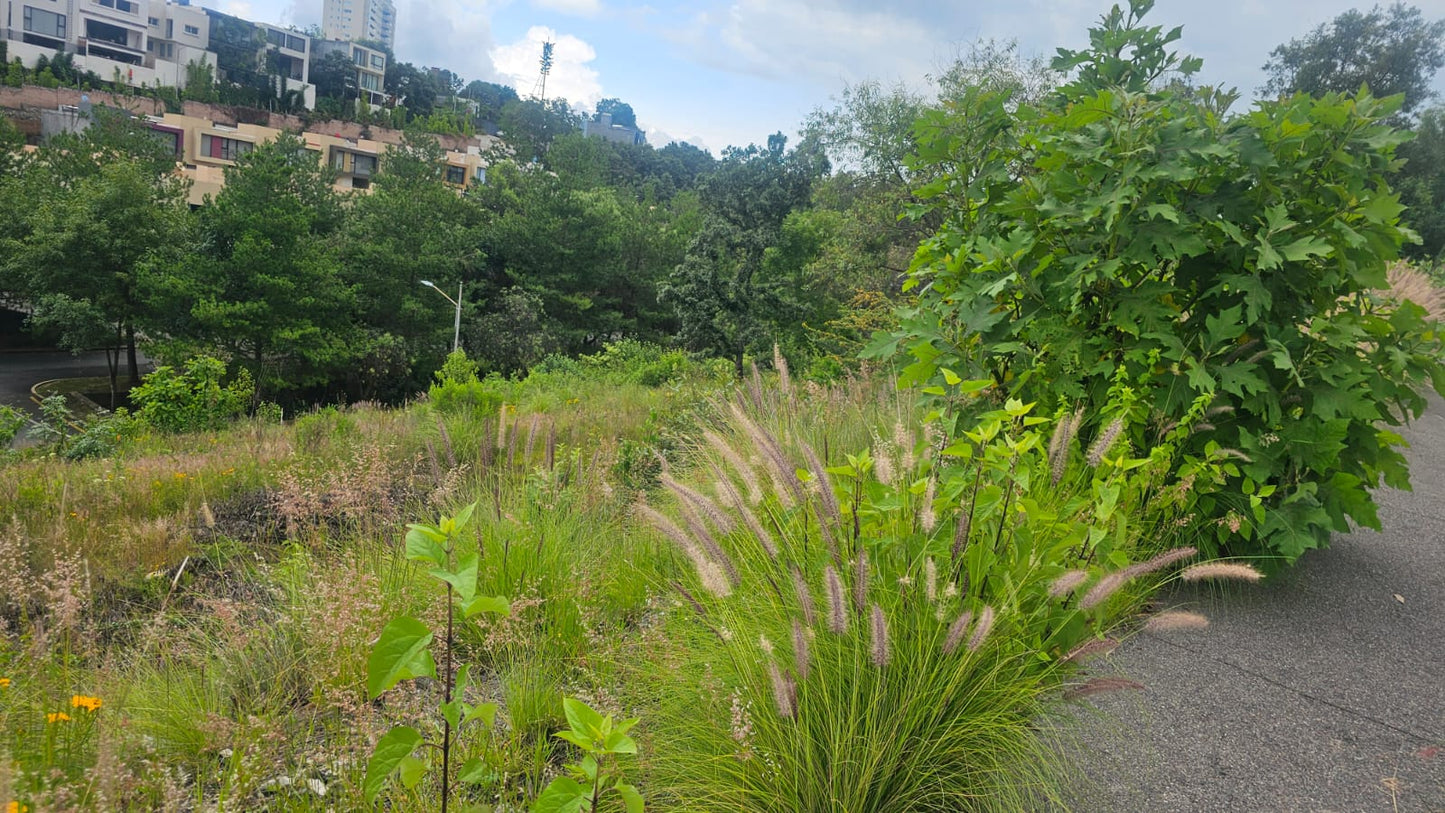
(164, 50)
(193, 31)
(44, 23)
(363, 165)
(170, 29)
(276, 38)
(227, 149)
(358, 56)
(456, 175)
(371, 81)
(170, 138)
(481, 175)
(378, 61)
(119, 5)
(154, 22)
(296, 43)
(338, 160)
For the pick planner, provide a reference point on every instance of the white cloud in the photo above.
(659, 138)
(452, 34)
(580, 8)
(827, 42)
(571, 78)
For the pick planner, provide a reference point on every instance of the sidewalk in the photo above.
(1320, 690)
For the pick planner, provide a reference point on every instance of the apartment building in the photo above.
(138, 42)
(370, 67)
(204, 149)
(150, 42)
(352, 20)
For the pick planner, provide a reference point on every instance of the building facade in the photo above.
(135, 42)
(204, 149)
(352, 20)
(151, 43)
(602, 127)
(370, 67)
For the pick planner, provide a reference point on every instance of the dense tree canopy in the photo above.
(1394, 50)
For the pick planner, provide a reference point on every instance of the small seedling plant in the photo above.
(598, 775)
(403, 652)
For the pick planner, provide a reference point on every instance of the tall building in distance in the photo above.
(353, 20)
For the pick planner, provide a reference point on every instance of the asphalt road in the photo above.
(21, 371)
(1320, 690)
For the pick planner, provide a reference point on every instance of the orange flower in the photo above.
(4, 683)
(57, 717)
(80, 701)
(16, 807)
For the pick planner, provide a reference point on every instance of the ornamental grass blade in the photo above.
(400, 653)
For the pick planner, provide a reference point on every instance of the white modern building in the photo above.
(353, 20)
(137, 42)
(151, 42)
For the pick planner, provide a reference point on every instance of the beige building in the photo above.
(352, 20)
(370, 67)
(204, 149)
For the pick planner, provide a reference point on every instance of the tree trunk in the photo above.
(130, 356)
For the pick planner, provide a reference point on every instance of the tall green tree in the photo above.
(622, 113)
(1421, 183)
(726, 302)
(83, 263)
(411, 227)
(88, 212)
(1394, 50)
(263, 286)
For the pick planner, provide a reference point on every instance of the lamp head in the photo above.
(428, 283)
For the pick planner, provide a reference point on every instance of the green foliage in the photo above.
(1132, 236)
(60, 431)
(884, 634)
(403, 653)
(601, 741)
(264, 288)
(458, 390)
(621, 111)
(1388, 51)
(193, 399)
(12, 420)
(725, 300)
(1421, 183)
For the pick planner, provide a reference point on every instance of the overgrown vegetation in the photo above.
(1141, 332)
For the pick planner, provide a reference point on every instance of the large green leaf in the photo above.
(400, 653)
(564, 795)
(395, 746)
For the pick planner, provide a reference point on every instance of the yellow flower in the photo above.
(16, 807)
(4, 683)
(80, 701)
(57, 717)
(180, 475)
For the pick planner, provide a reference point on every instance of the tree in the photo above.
(529, 126)
(725, 301)
(621, 112)
(1421, 182)
(87, 252)
(334, 76)
(91, 210)
(412, 227)
(1389, 51)
(262, 287)
(1201, 286)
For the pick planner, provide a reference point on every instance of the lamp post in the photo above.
(457, 334)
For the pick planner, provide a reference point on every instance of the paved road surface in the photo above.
(21, 371)
(1321, 691)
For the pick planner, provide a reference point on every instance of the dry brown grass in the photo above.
(1408, 283)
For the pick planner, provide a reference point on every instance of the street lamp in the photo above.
(457, 335)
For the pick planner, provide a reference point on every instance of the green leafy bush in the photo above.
(12, 421)
(193, 399)
(1224, 263)
(457, 388)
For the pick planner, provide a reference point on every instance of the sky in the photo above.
(718, 73)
